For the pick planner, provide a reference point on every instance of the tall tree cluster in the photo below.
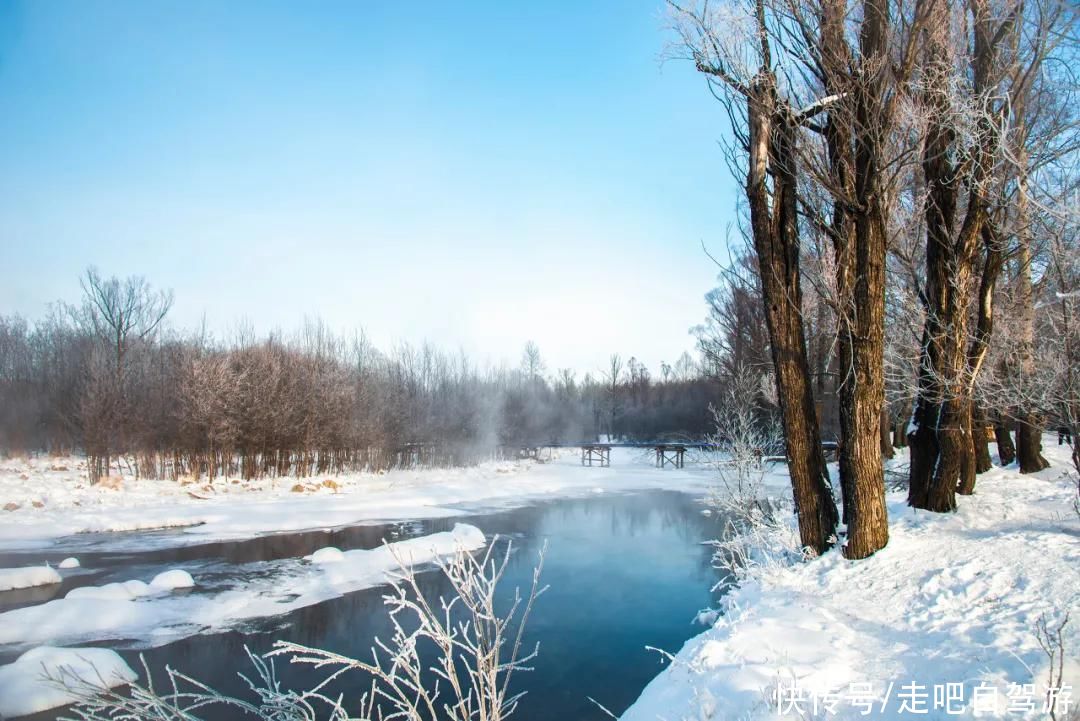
(107, 377)
(907, 165)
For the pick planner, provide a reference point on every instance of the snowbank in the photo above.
(234, 509)
(130, 590)
(326, 555)
(24, 684)
(12, 578)
(172, 580)
(953, 599)
(121, 591)
(136, 610)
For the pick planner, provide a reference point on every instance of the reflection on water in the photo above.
(624, 571)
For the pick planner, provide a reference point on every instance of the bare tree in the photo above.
(532, 365)
(730, 43)
(120, 314)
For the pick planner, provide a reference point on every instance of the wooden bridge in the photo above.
(667, 454)
(599, 454)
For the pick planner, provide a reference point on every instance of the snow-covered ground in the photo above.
(47, 499)
(943, 619)
(940, 623)
(50, 497)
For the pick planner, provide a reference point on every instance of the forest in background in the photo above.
(107, 377)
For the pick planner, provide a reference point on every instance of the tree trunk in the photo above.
(1003, 438)
(978, 461)
(981, 440)
(966, 482)
(776, 240)
(862, 395)
(1029, 444)
(900, 425)
(941, 448)
(886, 436)
(853, 136)
(1029, 426)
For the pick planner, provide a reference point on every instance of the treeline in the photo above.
(912, 264)
(107, 378)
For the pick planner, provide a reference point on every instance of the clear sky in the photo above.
(476, 174)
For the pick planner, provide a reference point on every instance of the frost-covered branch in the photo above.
(448, 658)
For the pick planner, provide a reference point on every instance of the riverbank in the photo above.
(945, 620)
(47, 498)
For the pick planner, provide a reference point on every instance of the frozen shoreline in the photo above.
(54, 504)
(953, 599)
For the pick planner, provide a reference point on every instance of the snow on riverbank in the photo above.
(953, 599)
(51, 498)
(25, 687)
(27, 577)
(149, 613)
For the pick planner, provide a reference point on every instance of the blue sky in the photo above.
(476, 174)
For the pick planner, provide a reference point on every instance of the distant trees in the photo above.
(122, 318)
(109, 378)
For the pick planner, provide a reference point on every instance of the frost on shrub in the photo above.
(757, 531)
(477, 652)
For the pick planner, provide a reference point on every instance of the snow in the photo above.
(123, 591)
(12, 578)
(69, 562)
(24, 684)
(326, 555)
(231, 509)
(954, 598)
(172, 580)
(137, 610)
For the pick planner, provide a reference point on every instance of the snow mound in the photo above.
(326, 555)
(11, 578)
(25, 688)
(69, 563)
(171, 580)
(136, 610)
(356, 569)
(126, 591)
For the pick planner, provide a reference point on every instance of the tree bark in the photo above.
(978, 461)
(775, 232)
(1029, 444)
(1005, 447)
(900, 428)
(939, 442)
(942, 455)
(1029, 426)
(853, 135)
(886, 436)
(981, 439)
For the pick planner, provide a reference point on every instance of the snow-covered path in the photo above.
(953, 599)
